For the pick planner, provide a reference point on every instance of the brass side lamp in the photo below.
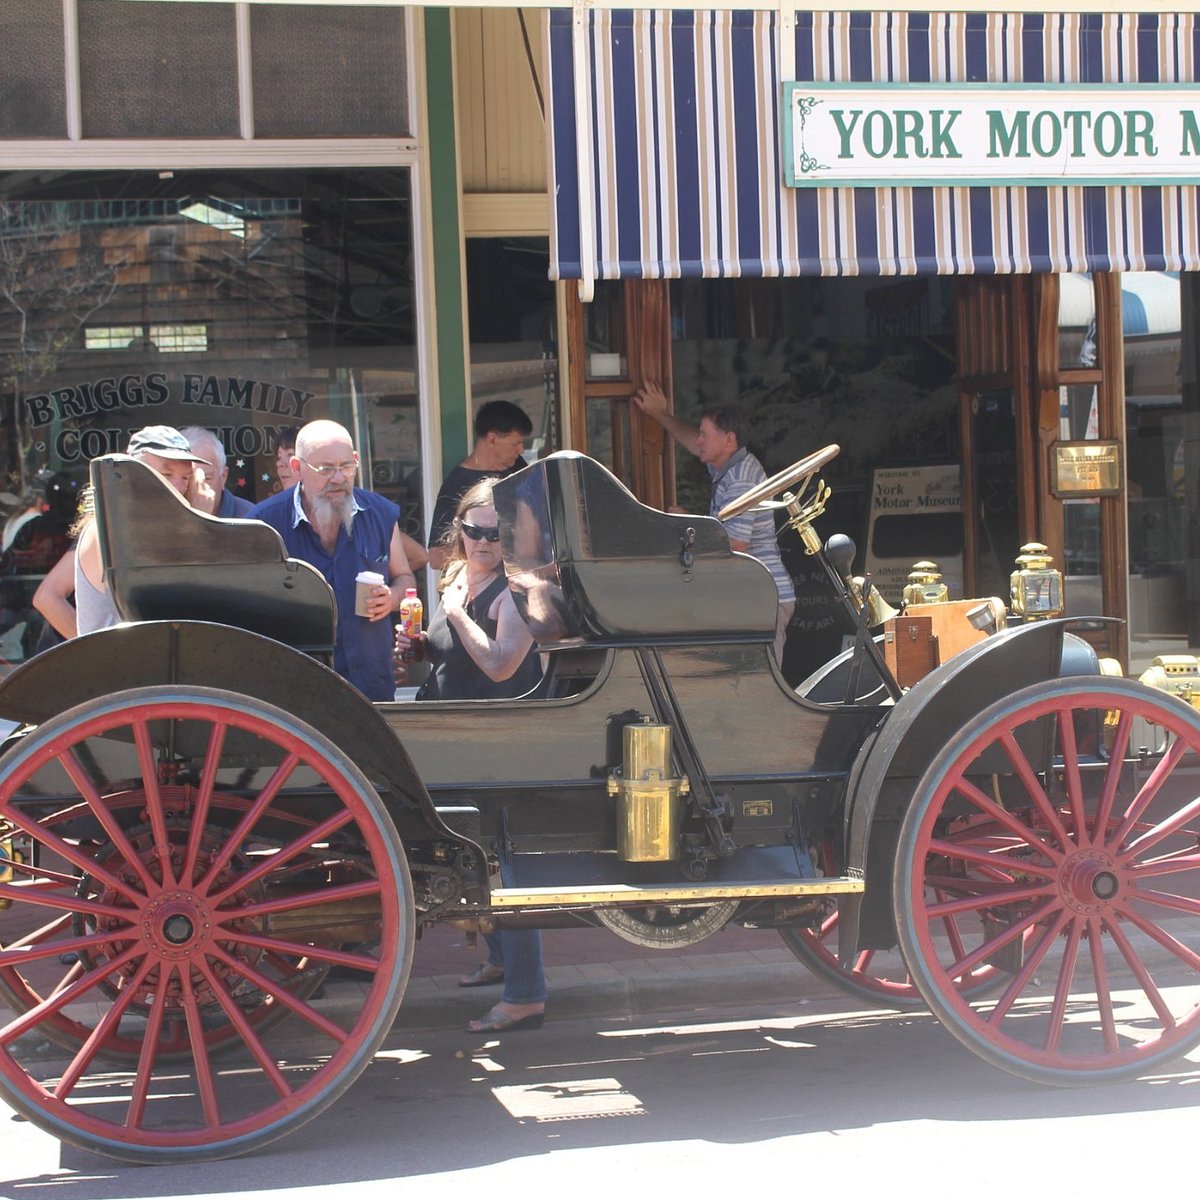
(925, 584)
(649, 798)
(1036, 586)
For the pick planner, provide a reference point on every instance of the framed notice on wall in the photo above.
(1084, 469)
(916, 513)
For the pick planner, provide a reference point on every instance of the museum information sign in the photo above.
(916, 513)
(921, 135)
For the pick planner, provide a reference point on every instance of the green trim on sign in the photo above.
(1155, 145)
(447, 237)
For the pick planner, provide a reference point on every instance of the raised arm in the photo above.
(652, 400)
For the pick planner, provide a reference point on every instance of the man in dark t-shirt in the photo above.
(500, 432)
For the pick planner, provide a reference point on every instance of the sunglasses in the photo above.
(479, 533)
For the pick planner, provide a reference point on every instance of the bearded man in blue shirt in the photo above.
(341, 530)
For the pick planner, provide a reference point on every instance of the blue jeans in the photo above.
(519, 952)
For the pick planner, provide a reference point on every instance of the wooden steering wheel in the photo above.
(803, 470)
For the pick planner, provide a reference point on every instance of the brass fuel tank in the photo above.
(649, 798)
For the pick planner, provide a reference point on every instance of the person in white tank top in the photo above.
(80, 570)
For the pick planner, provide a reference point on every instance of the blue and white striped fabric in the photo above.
(688, 168)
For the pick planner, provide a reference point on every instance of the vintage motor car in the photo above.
(205, 831)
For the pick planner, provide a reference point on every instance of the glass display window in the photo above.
(244, 302)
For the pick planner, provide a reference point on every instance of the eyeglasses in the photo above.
(480, 533)
(325, 469)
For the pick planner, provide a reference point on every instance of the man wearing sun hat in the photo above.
(164, 450)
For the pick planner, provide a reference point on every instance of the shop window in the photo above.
(1161, 466)
(128, 311)
(32, 87)
(604, 333)
(866, 363)
(1077, 341)
(511, 319)
(157, 69)
(993, 467)
(311, 64)
(166, 339)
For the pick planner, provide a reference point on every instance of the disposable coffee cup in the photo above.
(364, 583)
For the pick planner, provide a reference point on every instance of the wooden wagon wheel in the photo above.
(881, 977)
(121, 928)
(23, 989)
(1088, 897)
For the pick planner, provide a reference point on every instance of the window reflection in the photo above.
(1161, 492)
(245, 302)
(1077, 342)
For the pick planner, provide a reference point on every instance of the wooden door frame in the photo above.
(647, 311)
(1020, 352)
(1108, 377)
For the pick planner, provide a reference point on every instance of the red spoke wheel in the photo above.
(301, 975)
(194, 864)
(880, 976)
(1086, 895)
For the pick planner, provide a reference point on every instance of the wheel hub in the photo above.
(176, 924)
(177, 929)
(1089, 882)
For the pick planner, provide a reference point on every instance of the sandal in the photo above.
(496, 1020)
(483, 975)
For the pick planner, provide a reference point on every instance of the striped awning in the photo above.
(681, 167)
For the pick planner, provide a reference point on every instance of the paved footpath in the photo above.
(593, 972)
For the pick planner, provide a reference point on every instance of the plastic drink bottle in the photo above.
(412, 613)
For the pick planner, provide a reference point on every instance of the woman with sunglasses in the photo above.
(477, 645)
(479, 649)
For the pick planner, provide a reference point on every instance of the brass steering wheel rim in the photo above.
(803, 469)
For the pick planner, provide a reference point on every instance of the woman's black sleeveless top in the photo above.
(454, 675)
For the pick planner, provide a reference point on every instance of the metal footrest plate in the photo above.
(623, 896)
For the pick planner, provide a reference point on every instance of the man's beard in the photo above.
(328, 511)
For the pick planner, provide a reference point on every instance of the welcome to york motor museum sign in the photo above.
(878, 135)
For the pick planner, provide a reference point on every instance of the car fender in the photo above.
(203, 654)
(887, 768)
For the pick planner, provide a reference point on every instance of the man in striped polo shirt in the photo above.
(717, 443)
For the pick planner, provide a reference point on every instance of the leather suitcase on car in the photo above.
(910, 648)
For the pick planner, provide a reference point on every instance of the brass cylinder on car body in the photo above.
(649, 805)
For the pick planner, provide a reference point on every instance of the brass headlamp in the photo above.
(925, 584)
(1036, 587)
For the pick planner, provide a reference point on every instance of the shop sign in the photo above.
(65, 420)
(1087, 469)
(923, 135)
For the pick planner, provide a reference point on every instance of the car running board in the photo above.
(623, 896)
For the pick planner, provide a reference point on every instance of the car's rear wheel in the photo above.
(195, 864)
